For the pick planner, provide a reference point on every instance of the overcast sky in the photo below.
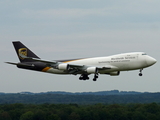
(66, 29)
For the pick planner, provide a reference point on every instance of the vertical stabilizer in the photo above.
(22, 50)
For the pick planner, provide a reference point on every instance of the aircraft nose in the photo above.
(151, 61)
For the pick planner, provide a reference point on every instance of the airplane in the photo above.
(108, 65)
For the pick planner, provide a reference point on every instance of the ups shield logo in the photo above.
(22, 53)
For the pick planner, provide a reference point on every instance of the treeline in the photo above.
(80, 112)
(78, 99)
(111, 92)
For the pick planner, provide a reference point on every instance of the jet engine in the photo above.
(91, 70)
(63, 66)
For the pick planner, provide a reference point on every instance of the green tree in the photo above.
(16, 113)
(138, 116)
(53, 117)
(152, 108)
(40, 114)
(74, 116)
(27, 116)
(5, 116)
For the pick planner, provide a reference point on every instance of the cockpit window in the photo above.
(144, 54)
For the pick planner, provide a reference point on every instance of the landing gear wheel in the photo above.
(80, 78)
(87, 78)
(140, 74)
(95, 77)
(84, 77)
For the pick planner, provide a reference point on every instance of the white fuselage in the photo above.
(111, 65)
(119, 62)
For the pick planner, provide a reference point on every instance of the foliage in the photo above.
(80, 112)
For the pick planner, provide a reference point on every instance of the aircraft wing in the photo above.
(21, 64)
(71, 65)
(71, 68)
(84, 66)
(79, 69)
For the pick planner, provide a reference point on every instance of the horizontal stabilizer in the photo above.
(11, 63)
(21, 64)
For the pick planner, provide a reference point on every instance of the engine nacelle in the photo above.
(116, 73)
(91, 70)
(63, 66)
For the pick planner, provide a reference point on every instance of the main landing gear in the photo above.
(85, 77)
(140, 74)
(95, 77)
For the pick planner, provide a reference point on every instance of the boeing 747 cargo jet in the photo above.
(110, 65)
